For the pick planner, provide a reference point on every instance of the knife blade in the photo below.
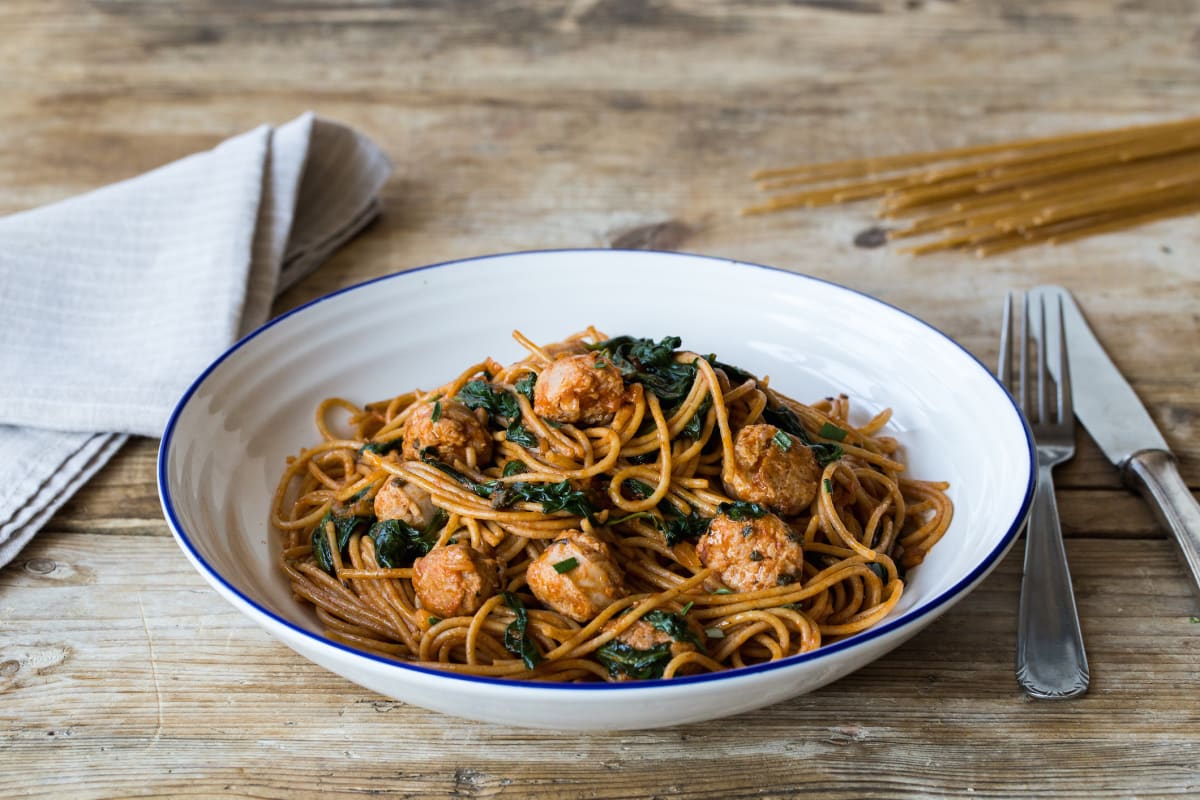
(1107, 406)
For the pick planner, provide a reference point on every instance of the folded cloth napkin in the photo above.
(111, 303)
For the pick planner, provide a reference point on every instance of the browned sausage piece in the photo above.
(574, 389)
(587, 579)
(454, 580)
(774, 469)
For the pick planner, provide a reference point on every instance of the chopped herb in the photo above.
(514, 467)
(644, 458)
(672, 625)
(785, 580)
(828, 486)
(748, 529)
(714, 633)
(879, 569)
(524, 385)
(434, 621)
(437, 411)
(782, 441)
(756, 556)
(785, 419)
(723, 590)
(623, 659)
(686, 608)
(600, 363)
(566, 565)
(651, 364)
(831, 431)
(516, 638)
(741, 511)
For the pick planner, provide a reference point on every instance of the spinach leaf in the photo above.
(481, 489)
(344, 526)
(639, 490)
(742, 511)
(382, 448)
(398, 544)
(624, 659)
(672, 625)
(696, 424)
(500, 403)
(516, 638)
(553, 497)
(514, 467)
(651, 364)
(737, 376)
(518, 434)
(525, 384)
(677, 528)
(497, 402)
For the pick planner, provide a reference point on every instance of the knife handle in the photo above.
(1157, 477)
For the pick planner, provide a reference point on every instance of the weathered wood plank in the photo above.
(602, 123)
(115, 650)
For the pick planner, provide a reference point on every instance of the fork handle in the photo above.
(1156, 475)
(1051, 662)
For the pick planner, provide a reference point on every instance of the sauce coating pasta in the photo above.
(603, 509)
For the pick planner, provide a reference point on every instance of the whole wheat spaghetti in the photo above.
(997, 197)
(603, 509)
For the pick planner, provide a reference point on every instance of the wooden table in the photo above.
(612, 123)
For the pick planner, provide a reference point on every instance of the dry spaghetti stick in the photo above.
(868, 165)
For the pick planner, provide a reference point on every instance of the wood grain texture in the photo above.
(612, 123)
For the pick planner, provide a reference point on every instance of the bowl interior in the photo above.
(227, 442)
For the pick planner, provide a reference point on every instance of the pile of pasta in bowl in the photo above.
(604, 509)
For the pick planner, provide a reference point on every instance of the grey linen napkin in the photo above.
(112, 302)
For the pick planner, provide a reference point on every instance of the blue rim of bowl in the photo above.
(880, 630)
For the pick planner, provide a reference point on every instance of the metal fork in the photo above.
(1051, 662)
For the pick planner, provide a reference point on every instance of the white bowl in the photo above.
(227, 440)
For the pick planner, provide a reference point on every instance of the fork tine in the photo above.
(1004, 366)
(1066, 403)
(1043, 382)
(1023, 367)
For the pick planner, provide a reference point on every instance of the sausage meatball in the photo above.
(454, 580)
(752, 554)
(583, 388)
(405, 501)
(456, 431)
(641, 635)
(581, 591)
(773, 469)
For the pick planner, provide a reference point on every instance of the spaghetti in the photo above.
(603, 509)
(997, 197)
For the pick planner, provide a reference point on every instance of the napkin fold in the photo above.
(112, 302)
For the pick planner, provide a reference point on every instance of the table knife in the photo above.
(1106, 405)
